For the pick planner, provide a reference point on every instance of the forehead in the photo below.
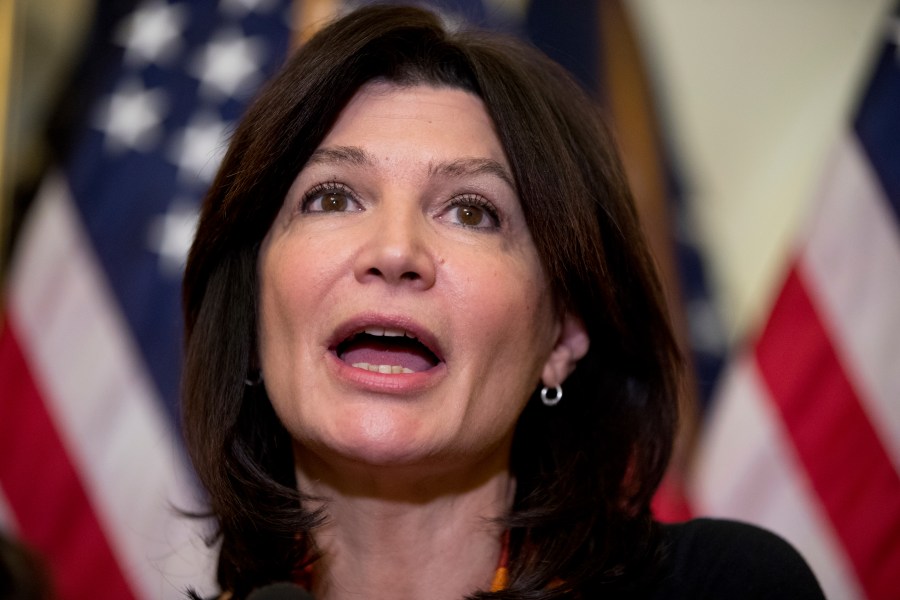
(433, 123)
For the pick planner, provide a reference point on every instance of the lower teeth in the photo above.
(394, 369)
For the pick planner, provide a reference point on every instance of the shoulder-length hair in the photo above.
(586, 469)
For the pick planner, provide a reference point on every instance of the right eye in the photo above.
(329, 198)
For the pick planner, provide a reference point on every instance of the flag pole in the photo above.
(309, 16)
(7, 25)
(637, 133)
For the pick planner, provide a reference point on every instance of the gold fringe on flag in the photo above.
(7, 25)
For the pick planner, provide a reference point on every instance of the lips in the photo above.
(387, 349)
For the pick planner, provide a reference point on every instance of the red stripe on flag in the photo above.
(840, 451)
(670, 504)
(44, 490)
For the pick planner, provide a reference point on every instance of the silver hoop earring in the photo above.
(254, 378)
(549, 400)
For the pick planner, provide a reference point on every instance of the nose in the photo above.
(396, 249)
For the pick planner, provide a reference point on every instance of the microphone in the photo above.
(280, 591)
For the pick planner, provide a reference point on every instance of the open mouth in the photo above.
(386, 350)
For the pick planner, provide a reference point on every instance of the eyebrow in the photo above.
(356, 156)
(472, 166)
(341, 154)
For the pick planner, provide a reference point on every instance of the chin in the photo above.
(382, 438)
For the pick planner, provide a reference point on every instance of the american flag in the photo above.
(804, 436)
(92, 472)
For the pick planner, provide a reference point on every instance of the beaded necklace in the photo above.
(501, 575)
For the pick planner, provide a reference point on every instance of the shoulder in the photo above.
(709, 558)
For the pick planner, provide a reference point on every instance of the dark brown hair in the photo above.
(23, 572)
(586, 469)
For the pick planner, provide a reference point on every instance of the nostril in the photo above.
(405, 276)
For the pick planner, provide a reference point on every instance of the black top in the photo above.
(711, 559)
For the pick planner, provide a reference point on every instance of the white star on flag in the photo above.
(170, 236)
(229, 65)
(514, 9)
(131, 117)
(198, 149)
(152, 34)
(240, 8)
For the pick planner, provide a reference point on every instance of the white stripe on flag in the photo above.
(102, 401)
(851, 262)
(746, 470)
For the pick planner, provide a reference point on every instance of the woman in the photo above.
(427, 355)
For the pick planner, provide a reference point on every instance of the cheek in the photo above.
(290, 289)
(275, 328)
(516, 303)
(296, 274)
(506, 314)
(279, 292)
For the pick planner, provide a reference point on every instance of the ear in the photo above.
(571, 345)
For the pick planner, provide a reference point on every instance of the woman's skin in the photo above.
(406, 221)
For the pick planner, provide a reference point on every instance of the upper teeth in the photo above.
(382, 368)
(388, 332)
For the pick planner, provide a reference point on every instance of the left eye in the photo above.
(473, 214)
(329, 199)
(333, 202)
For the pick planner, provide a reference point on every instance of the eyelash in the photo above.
(320, 189)
(328, 187)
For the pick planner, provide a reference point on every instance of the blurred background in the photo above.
(762, 141)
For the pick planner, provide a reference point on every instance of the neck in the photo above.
(403, 534)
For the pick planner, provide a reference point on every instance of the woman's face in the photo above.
(404, 314)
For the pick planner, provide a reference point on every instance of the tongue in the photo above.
(412, 356)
